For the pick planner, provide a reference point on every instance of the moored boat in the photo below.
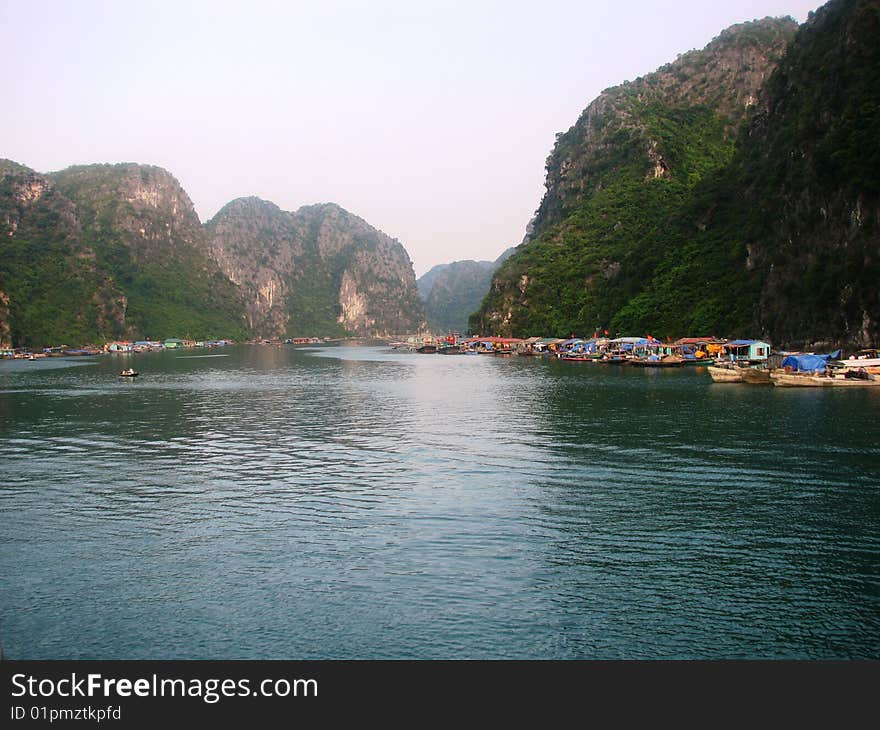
(449, 350)
(782, 379)
(670, 361)
(725, 374)
(755, 376)
(868, 359)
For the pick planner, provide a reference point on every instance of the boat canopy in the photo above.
(630, 340)
(807, 363)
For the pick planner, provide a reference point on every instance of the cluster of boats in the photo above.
(727, 361)
(805, 370)
(637, 351)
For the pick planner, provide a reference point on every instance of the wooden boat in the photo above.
(756, 376)
(701, 361)
(427, 349)
(725, 374)
(577, 358)
(868, 359)
(614, 358)
(782, 379)
(671, 361)
(450, 350)
(130, 373)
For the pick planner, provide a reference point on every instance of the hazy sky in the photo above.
(432, 121)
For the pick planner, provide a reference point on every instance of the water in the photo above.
(353, 503)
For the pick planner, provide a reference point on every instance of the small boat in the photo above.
(449, 350)
(129, 373)
(756, 376)
(427, 349)
(868, 359)
(670, 361)
(722, 374)
(782, 379)
(615, 357)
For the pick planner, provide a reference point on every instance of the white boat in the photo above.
(867, 359)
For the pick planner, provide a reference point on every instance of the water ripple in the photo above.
(352, 502)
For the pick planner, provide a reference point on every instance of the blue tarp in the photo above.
(806, 363)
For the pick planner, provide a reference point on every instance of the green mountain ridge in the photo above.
(101, 252)
(693, 200)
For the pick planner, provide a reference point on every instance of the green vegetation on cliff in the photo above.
(49, 284)
(107, 251)
(620, 242)
(147, 240)
(703, 199)
(103, 252)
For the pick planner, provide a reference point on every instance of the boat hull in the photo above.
(657, 363)
(725, 375)
(793, 380)
(756, 376)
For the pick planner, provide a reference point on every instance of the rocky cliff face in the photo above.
(620, 127)
(697, 200)
(149, 240)
(318, 271)
(618, 185)
(106, 251)
(52, 288)
(810, 172)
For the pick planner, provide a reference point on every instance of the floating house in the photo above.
(746, 351)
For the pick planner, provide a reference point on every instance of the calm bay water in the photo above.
(348, 502)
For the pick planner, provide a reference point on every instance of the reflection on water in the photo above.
(354, 503)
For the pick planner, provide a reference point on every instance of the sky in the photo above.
(430, 120)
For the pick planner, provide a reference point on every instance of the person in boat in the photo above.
(858, 374)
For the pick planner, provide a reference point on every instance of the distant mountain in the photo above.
(101, 252)
(318, 271)
(452, 291)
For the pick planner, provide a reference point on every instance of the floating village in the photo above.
(752, 362)
(726, 361)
